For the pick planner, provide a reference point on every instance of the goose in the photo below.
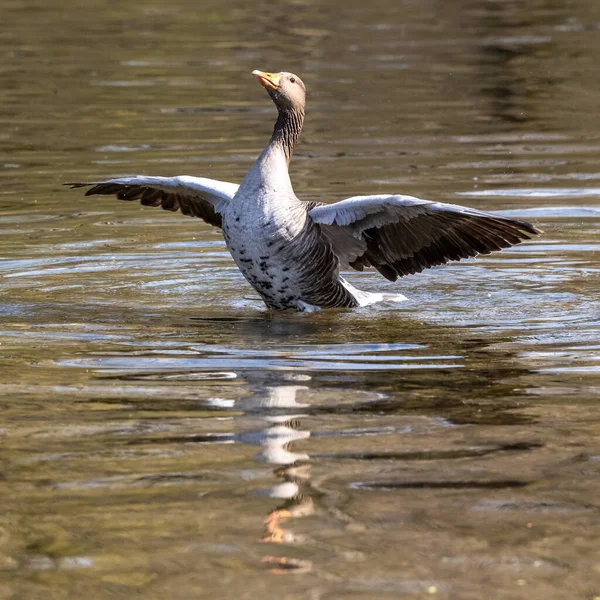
(292, 251)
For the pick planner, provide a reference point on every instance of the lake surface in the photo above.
(164, 436)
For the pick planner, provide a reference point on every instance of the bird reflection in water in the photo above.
(292, 473)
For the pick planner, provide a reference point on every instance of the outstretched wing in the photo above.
(401, 235)
(194, 196)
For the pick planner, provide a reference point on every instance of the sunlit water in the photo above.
(164, 436)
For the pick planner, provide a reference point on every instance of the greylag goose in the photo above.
(292, 251)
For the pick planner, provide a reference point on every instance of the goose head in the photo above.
(285, 89)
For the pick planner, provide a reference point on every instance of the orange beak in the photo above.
(268, 80)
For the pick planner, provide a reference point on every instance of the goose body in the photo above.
(292, 251)
(276, 245)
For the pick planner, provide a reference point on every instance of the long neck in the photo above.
(287, 131)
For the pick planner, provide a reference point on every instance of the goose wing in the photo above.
(401, 235)
(193, 196)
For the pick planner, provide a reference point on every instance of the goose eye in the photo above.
(292, 80)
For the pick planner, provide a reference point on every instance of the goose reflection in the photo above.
(292, 473)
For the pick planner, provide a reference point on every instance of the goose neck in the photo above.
(287, 131)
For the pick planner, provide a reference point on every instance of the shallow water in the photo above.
(164, 436)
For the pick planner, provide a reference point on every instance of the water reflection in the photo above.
(293, 471)
(506, 54)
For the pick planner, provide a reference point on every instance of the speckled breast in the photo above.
(260, 248)
(284, 258)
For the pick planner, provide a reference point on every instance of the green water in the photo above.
(163, 436)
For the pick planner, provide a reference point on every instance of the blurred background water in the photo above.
(163, 436)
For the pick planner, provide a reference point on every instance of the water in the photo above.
(163, 436)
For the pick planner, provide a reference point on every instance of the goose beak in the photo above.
(268, 80)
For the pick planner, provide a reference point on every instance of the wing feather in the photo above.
(193, 196)
(402, 235)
